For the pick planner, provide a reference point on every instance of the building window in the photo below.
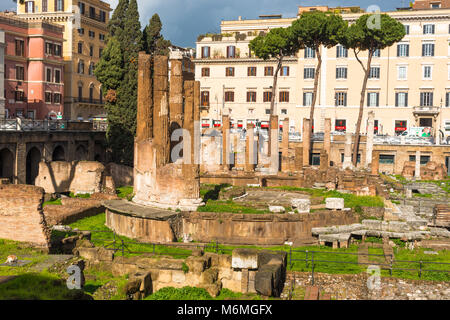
(373, 99)
(310, 53)
(44, 5)
(285, 71)
(341, 99)
(101, 36)
(358, 159)
(19, 95)
(376, 53)
(205, 98)
(91, 51)
(403, 50)
(283, 111)
(406, 29)
(57, 98)
(92, 12)
(82, 7)
(81, 67)
(231, 52)
(447, 99)
(49, 48)
(205, 52)
(205, 72)
(57, 76)
(341, 73)
(251, 71)
(80, 92)
(20, 73)
(402, 73)
(20, 48)
(80, 47)
(374, 73)
(268, 71)
(284, 96)
(29, 6)
(341, 52)
(251, 96)
(427, 72)
(428, 29)
(401, 99)
(91, 94)
(100, 52)
(426, 99)
(91, 34)
(229, 71)
(400, 126)
(340, 125)
(48, 75)
(229, 96)
(386, 159)
(307, 99)
(423, 159)
(58, 50)
(102, 16)
(267, 111)
(428, 49)
(81, 31)
(48, 97)
(267, 96)
(308, 73)
(91, 68)
(59, 5)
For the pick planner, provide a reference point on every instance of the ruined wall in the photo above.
(77, 177)
(263, 229)
(121, 175)
(21, 216)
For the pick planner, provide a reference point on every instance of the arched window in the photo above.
(91, 93)
(80, 91)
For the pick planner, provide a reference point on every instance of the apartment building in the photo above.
(33, 68)
(2, 74)
(85, 30)
(409, 82)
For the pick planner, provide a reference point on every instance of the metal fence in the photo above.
(50, 125)
(117, 244)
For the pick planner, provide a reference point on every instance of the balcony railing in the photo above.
(426, 110)
(96, 17)
(88, 100)
(51, 125)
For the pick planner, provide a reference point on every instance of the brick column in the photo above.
(298, 160)
(250, 160)
(273, 144)
(176, 92)
(323, 160)
(375, 165)
(306, 134)
(327, 136)
(188, 122)
(226, 143)
(20, 167)
(196, 131)
(285, 146)
(144, 124)
(161, 109)
(370, 134)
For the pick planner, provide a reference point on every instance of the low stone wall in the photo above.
(261, 229)
(21, 216)
(76, 177)
(122, 175)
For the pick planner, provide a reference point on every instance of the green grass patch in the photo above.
(80, 195)
(23, 252)
(185, 293)
(54, 202)
(125, 192)
(230, 207)
(425, 195)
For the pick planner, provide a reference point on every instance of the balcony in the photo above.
(95, 17)
(431, 111)
(88, 101)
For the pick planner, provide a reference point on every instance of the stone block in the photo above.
(178, 276)
(209, 276)
(213, 257)
(268, 280)
(165, 276)
(372, 224)
(277, 209)
(192, 279)
(196, 264)
(121, 269)
(225, 261)
(244, 259)
(334, 203)
(271, 257)
(230, 284)
(302, 205)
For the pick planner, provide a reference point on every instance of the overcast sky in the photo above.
(184, 20)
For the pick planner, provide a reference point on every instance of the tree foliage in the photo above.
(154, 42)
(109, 70)
(369, 33)
(276, 44)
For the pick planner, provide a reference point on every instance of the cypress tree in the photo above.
(155, 42)
(118, 17)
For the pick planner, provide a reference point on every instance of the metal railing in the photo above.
(50, 125)
(311, 260)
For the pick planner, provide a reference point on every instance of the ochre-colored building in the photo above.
(33, 68)
(85, 30)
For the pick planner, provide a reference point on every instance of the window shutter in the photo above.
(423, 50)
(398, 50)
(345, 99)
(378, 99)
(287, 93)
(337, 73)
(432, 50)
(304, 98)
(406, 99)
(407, 50)
(431, 98)
(447, 99)
(337, 51)
(396, 99)
(56, 5)
(26, 10)
(368, 99)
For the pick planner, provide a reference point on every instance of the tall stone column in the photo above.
(323, 160)
(417, 171)
(226, 143)
(348, 151)
(327, 136)
(298, 160)
(285, 146)
(306, 135)
(196, 132)
(370, 134)
(176, 92)
(144, 128)
(273, 144)
(375, 165)
(161, 110)
(20, 167)
(188, 122)
(250, 160)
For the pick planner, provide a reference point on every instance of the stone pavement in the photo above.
(50, 261)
